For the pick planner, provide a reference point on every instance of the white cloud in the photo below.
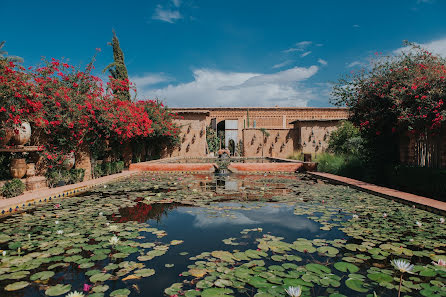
(293, 49)
(354, 63)
(303, 44)
(166, 14)
(437, 47)
(305, 54)
(300, 47)
(322, 62)
(217, 88)
(284, 63)
(356, 26)
(149, 79)
(177, 3)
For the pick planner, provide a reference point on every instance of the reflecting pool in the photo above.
(202, 235)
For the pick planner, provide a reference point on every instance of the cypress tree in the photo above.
(117, 69)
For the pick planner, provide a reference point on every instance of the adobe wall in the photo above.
(285, 136)
(314, 135)
(192, 136)
(280, 143)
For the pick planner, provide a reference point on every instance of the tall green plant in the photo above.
(265, 134)
(118, 70)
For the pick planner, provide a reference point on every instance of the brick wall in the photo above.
(277, 120)
(280, 142)
(192, 137)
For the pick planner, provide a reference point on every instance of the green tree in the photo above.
(4, 54)
(118, 71)
(346, 140)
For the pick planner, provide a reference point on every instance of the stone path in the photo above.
(30, 199)
(420, 201)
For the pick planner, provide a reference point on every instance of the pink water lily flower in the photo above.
(87, 287)
(441, 263)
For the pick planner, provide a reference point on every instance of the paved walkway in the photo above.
(30, 199)
(422, 202)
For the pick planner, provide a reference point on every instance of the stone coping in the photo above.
(31, 199)
(422, 202)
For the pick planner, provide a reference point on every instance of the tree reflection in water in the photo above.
(142, 212)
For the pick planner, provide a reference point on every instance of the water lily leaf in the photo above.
(317, 268)
(145, 272)
(100, 277)
(192, 293)
(16, 286)
(344, 267)
(100, 289)
(263, 294)
(198, 272)
(120, 293)
(356, 285)
(43, 275)
(57, 290)
(328, 250)
(259, 282)
(380, 277)
(4, 238)
(223, 283)
(216, 292)
(176, 242)
(223, 255)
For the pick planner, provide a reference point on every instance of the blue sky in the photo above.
(225, 53)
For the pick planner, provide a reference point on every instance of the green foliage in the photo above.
(107, 168)
(420, 180)
(350, 166)
(346, 139)
(296, 155)
(4, 54)
(5, 160)
(97, 170)
(13, 188)
(77, 175)
(117, 69)
(61, 176)
(212, 139)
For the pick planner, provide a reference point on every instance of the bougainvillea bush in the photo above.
(397, 97)
(70, 109)
(398, 94)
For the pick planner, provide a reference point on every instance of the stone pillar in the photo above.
(83, 160)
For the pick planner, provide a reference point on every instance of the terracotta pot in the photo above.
(22, 133)
(69, 161)
(5, 135)
(18, 168)
(30, 169)
(310, 166)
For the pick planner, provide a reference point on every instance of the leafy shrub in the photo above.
(107, 168)
(77, 175)
(97, 170)
(120, 166)
(349, 166)
(58, 177)
(346, 139)
(13, 188)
